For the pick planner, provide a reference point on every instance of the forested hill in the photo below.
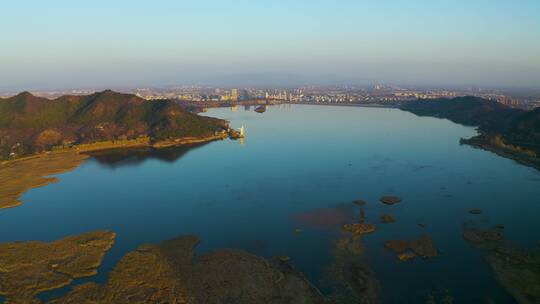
(472, 111)
(30, 124)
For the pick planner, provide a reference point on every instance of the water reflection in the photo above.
(136, 157)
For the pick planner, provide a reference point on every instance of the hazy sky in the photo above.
(63, 44)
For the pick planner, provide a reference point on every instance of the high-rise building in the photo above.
(234, 94)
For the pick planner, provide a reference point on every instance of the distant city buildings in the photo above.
(309, 94)
(234, 94)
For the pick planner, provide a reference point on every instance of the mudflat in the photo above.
(19, 176)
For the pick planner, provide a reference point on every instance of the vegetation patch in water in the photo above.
(349, 275)
(168, 273)
(28, 268)
(359, 229)
(387, 219)
(17, 177)
(423, 246)
(517, 270)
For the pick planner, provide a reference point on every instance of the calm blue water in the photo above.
(295, 160)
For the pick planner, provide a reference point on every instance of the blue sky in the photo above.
(63, 44)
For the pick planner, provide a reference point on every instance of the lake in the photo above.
(286, 189)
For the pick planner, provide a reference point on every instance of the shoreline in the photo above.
(362, 105)
(118, 145)
(17, 177)
(20, 175)
(188, 141)
(479, 142)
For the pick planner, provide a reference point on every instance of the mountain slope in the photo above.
(30, 124)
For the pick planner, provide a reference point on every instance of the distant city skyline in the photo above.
(70, 44)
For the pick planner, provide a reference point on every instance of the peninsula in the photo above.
(104, 120)
(508, 132)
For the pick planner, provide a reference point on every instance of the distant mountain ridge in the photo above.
(510, 132)
(30, 124)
